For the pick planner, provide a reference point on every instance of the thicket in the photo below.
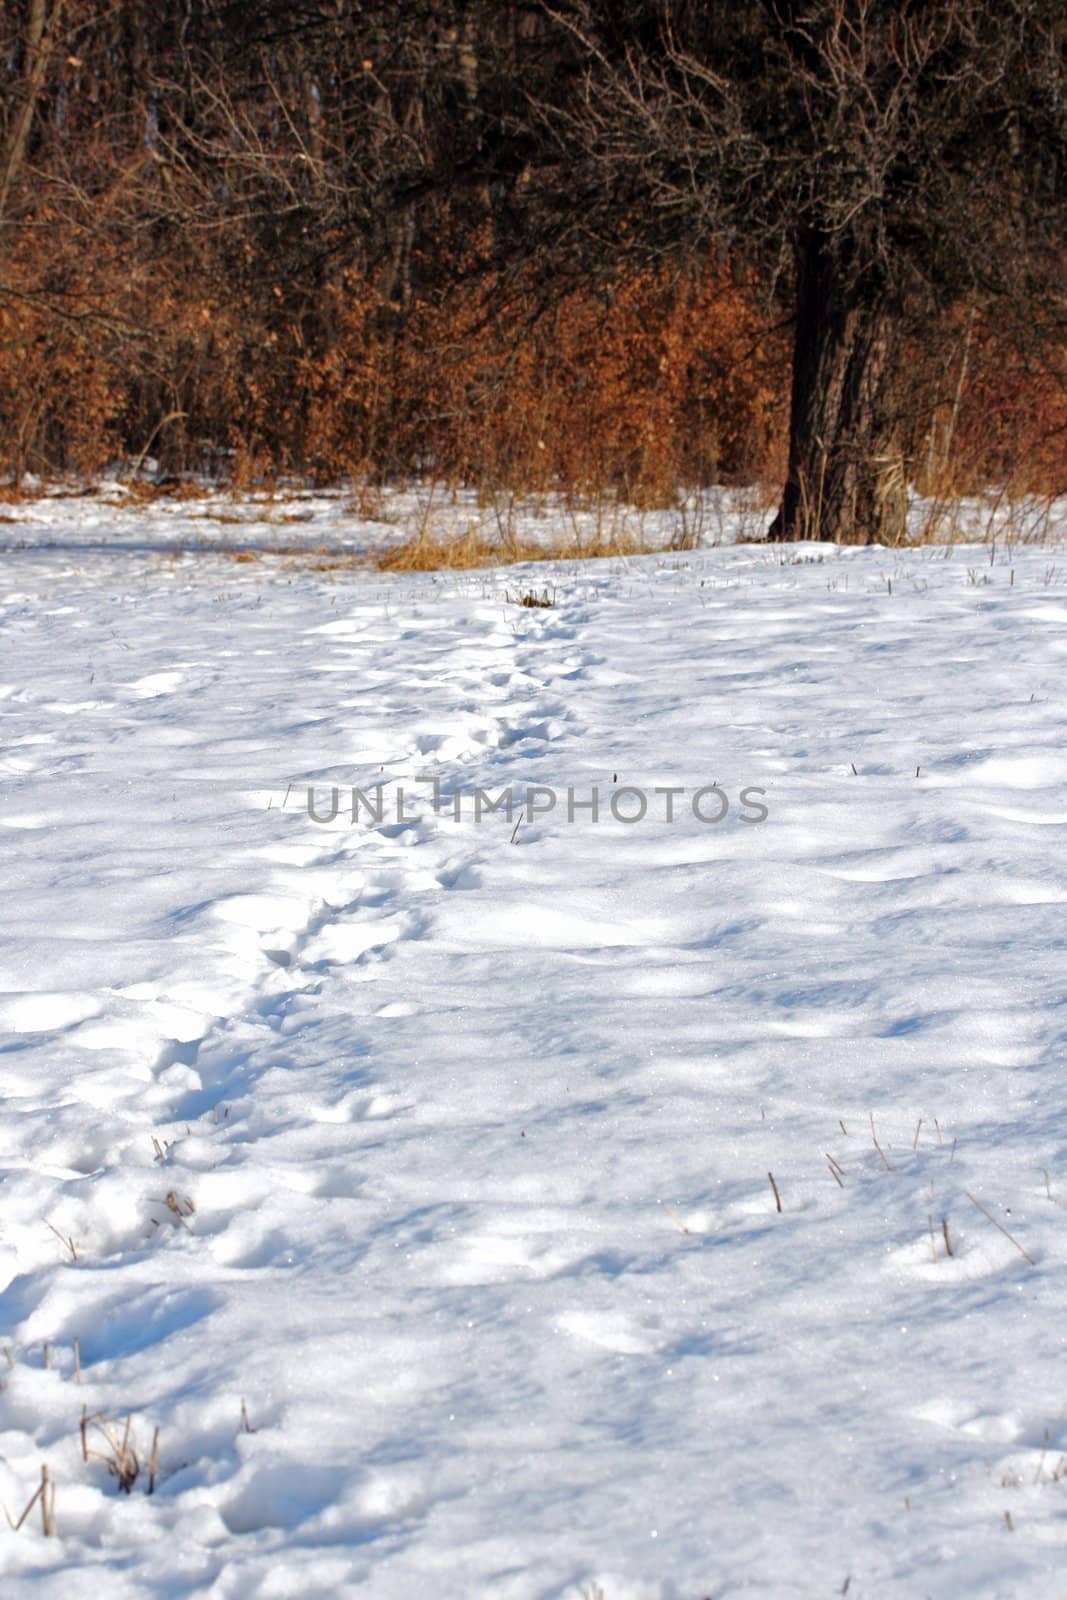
(196, 266)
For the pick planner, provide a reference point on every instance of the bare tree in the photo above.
(883, 157)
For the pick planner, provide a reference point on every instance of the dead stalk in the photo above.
(120, 1458)
(885, 1159)
(67, 1242)
(668, 1209)
(33, 1501)
(48, 1504)
(45, 1492)
(999, 1225)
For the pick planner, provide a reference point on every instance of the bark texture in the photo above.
(846, 479)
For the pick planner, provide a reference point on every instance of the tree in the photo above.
(18, 105)
(885, 157)
(194, 195)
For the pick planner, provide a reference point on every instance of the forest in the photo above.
(628, 250)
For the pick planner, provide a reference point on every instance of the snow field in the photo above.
(444, 1150)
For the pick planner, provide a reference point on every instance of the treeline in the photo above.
(339, 239)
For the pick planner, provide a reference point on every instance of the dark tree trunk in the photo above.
(13, 153)
(846, 481)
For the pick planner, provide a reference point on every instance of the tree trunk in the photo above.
(846, 481)
(37, 50)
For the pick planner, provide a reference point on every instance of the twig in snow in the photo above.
(179, 1206)
(673, 1216)
(877, 1146)
(991, 1218)
(48, 1505)
(15, 1526)
(67, 1242)
(777, 1196)
(45, 1492)
(121, 1458)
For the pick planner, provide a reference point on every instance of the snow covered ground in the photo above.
(411, 1177)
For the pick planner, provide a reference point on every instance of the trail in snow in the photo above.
(445, 1148)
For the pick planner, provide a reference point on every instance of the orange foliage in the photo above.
(1012, 427)
(659, 383)
(652, 384)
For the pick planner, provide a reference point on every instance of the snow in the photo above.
(411, 1174)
